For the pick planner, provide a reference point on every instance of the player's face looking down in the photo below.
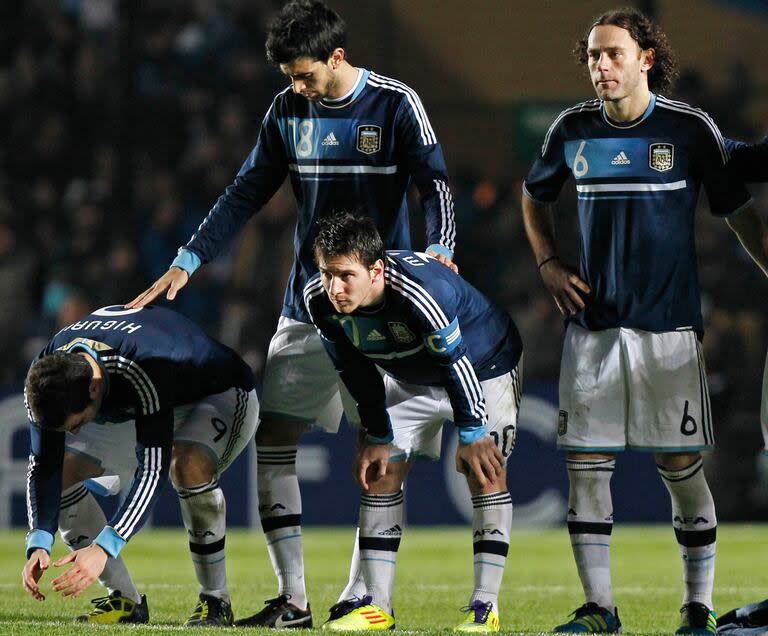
(350, 284)
(618, 67)
(314, 79)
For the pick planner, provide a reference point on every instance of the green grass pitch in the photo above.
(433, 581)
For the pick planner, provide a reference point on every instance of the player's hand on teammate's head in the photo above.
(480, 461)
(565, 285)
(370, 463)
(445, 261)
(38, 562)
(87, 564)
(173, 280)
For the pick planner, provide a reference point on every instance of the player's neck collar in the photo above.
(634, 122)
(351, 95)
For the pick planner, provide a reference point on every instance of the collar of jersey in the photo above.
(95, 355)
(634, 122)
(351, 96)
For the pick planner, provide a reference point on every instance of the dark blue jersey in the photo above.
(153, 360)
(748, 161)
(356, 154)
(638, 184)
(433, 329)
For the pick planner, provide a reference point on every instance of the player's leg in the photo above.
(208, 436)
(94, 451)
(417, 414)
(492, 506)
(300, 391)
(591, 427)
(670, 415)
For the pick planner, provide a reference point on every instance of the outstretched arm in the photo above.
(752, 233)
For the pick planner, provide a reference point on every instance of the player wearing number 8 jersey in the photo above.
(128, 396)
(347, 139)
(632, 374)
(447, 353)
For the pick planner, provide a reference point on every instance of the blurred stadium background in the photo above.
(121, 123)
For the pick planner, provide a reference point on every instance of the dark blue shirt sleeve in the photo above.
(550, 170)
(43, 487)
(725, 192)
(154, 442)
(423, 155)
(748, 162)
(258, 179)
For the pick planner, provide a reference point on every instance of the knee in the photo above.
(191, 466)
(676, 461)
(279, 433)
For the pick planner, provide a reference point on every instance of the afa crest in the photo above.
(401, 333)
(369, 139)
(661, 157)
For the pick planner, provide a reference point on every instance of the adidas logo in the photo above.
(375, 336)
(330, 140)
(619, 160)
(394, 531)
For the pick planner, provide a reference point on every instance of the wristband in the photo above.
(545, 261)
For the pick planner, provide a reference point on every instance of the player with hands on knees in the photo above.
(445, 352)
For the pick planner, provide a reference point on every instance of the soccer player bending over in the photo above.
(116, 387)
(447, 352)
(632, 373)
(347, 138)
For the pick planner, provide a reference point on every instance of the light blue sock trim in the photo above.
(605, 545)
(290, 536)
(706, 558)
(496, 565)
(375, 559)
(208, 562)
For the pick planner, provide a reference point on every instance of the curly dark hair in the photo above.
(347, 234)
(57, 386)
(305, 28)
(662, 76)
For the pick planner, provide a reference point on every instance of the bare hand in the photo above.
(38, 563)
(371, 458)
(481, 459)
(88, 564)
(173, 280)
(565, 286)
(445, 261)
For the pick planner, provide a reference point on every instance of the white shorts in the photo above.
(300, 383)
(764, 408)
(418, 412)
(221, 424)
(626, 388)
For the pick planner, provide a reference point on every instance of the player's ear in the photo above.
(377, 270)
(647, 59)
(337, 57)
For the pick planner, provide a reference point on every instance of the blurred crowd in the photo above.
(120, 131)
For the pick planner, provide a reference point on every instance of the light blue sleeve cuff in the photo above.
(387, 439)
(469, 434)
(110, 541)
(39, 539)
(440, 249)
(187, 260)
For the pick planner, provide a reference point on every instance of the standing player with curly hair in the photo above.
(632, 372)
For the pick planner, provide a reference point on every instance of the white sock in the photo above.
(381, 526)
(695, 524)
(280, 512)
(80, 521)
(356, 583)
(491, 525)
(590, 523)
(204, 512)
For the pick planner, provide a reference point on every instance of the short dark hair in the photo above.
(57, 386)
(305, 28)
(648, 35)
(347, 234)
